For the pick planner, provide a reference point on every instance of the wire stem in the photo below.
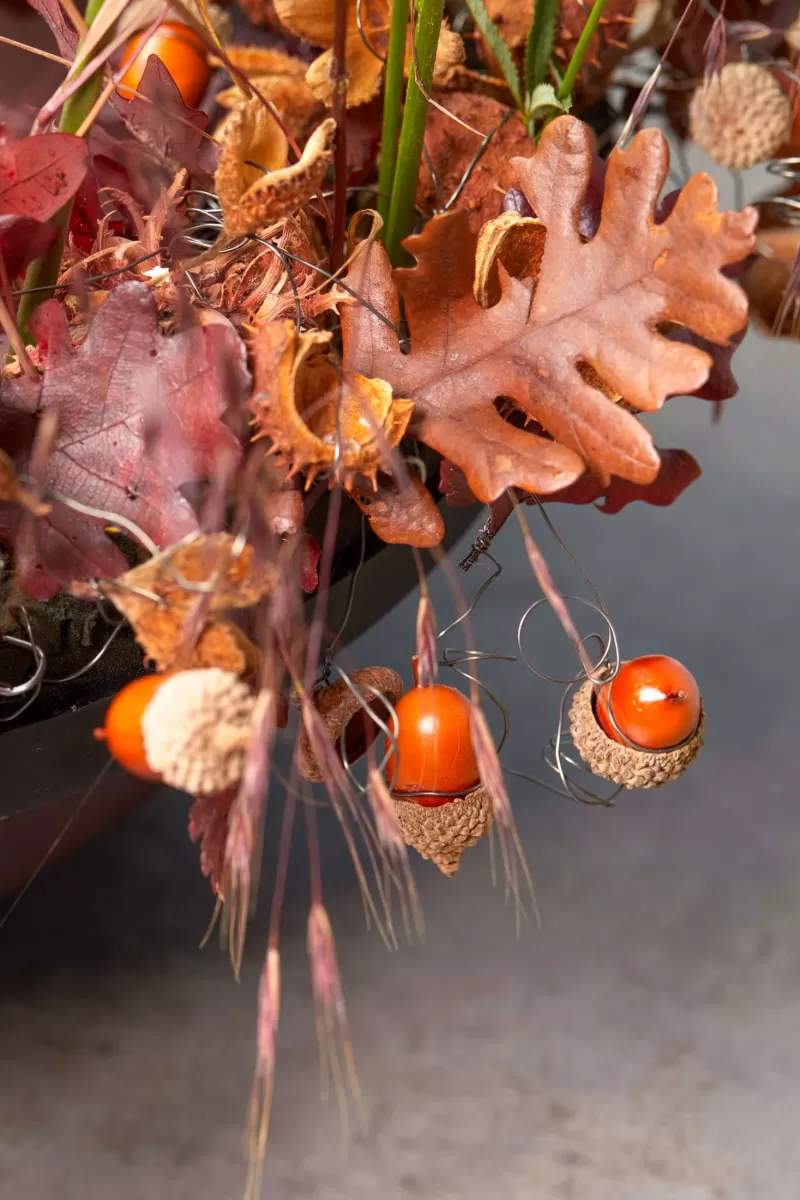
(44, 271)
(412, 132)
(392, 104)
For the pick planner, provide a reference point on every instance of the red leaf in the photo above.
(99, 456)
(309, 563)
(170, 129)
(62, 31)
(39, 174)
(678, 469)
(87, 211)
(22, 239)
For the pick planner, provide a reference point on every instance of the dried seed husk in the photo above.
(442, 834)
(622, 764)
(339, 709)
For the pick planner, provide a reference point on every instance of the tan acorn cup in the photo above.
(643, 727)
(447, 810)
(340, 709)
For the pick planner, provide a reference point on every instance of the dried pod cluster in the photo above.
(741, 116)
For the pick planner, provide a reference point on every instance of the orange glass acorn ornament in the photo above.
(652, 703)
(434, 754)
(180, 50)
(642, 728)
(122, 731)
(434, 747)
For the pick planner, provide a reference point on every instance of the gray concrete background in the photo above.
(643, 1045)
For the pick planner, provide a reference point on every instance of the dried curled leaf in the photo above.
(403, 513)
(515, 242)
(160, 625)
(596, 302)
(304, 405)
(251, 199)
(279, 78)
(366, 48)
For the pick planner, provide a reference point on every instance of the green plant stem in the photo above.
(576, 62)
(412, 132)
(43, 272)
(392, 105)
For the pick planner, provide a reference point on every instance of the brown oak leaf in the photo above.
(300, 398)
(123, 382)
(178, 625)
(596, 304)
(158, 118)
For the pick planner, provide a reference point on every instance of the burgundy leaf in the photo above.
(62, 31)
(100, 457)
(309, 563)
(721, 384)
(87, 211)
(678, 470)
(171, 130)
(39, 174)
(22, 239)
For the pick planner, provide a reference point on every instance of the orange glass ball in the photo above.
(122, 731)
(655, 702)
(434, 746)
(182, 53)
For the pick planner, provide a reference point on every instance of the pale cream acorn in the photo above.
(196, 730)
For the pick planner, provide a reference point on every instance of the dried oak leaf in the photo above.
(106, 392)
(596, 303)
(158, 118)
(451, 149)
(239, 581)
(296, 398)
(39, 174)
(251, 199)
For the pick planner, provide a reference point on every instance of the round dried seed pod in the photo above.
(442, 834)
(622, 764)
(196, 730)
(339, 709)
(741, 116)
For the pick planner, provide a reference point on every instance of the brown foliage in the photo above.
(161, 627)
(595, 302)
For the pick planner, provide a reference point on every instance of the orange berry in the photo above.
(434, 745)
(655, 702)
(122, 731)
(182, 53)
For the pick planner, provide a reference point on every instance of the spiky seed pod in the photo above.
(340, 708)
(196, 730)
(442, 834)
(741, 116)
(621, 764)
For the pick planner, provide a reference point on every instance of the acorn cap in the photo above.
(740, 116)
(622, 764)
(338, 707)
(196, 730)
(442, 834)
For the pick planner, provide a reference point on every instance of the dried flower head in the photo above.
(196, 730)
(740, 117)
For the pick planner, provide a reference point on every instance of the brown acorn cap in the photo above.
(338, 707)
(741, 116)
(442, 834)
(622, 764)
